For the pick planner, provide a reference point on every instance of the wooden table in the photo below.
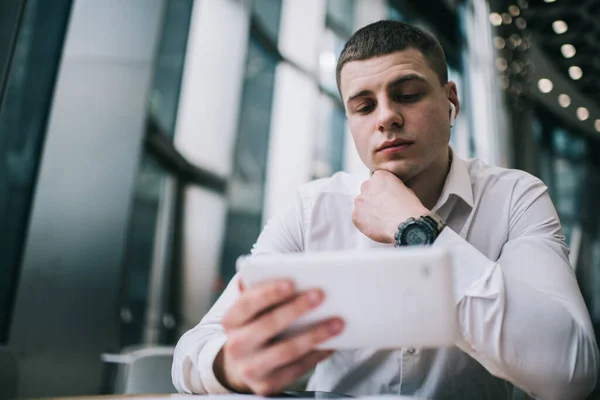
(128, 396)
(178, 397)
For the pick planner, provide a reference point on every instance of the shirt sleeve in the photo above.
(192, 370)
(523, 317)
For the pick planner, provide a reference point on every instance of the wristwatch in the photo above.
(421, 231)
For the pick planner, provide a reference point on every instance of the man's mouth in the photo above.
(393, 146)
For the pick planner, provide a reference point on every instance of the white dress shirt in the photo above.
(521, 314)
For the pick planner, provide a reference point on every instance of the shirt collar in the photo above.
(458, 183)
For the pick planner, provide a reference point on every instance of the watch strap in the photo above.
(434, 221)
(439, 221)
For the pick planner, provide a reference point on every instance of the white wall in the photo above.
(203, 230)
(65, 309)
(295, 103)
(206, 129)
(212, 83)
(488, 114)
(368, 11)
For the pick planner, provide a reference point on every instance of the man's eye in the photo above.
(365, 109)
(407, 98)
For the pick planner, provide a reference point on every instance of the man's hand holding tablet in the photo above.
(295, 309)
(255, 357)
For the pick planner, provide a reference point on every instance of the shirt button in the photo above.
(411, 351)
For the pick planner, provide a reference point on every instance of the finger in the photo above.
(358, 202)
(364, 186)
(294, 348)
(254, 301)
(272, 323)
(288, 374)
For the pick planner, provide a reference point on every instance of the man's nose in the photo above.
(389, 117)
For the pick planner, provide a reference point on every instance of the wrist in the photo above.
(421, 230)
(415, 214)
(418, 213)
(223, 375)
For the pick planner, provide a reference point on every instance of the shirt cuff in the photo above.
(206, 358)
(469, 265)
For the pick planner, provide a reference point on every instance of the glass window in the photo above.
(567, 181)
(10, 17)
(594, 303)
(397, 11)
(140, 245)
(329, 140)
(246, 186)
(23, 117)
(568, 176)
(544, 156)
(163, 103)
(400, 10)
(396, 15)
(332, 45)
(170, 58)
(460, 139)
(341, 15)
(328, 156)
(562, 167)
(267, 13)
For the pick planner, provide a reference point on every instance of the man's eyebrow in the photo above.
(406, 78)
(397, 82)
(362, 93)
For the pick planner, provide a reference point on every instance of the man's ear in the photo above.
(453, 98)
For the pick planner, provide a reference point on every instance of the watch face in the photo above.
(415, 234)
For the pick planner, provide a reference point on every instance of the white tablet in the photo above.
(389, 298)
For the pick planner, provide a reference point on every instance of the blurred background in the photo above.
(144, 143)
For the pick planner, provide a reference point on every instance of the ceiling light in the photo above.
(545, 85)
(575, 72)
(559, 27)
(523, 4)
(564, 100)
(516, 88)
(549, 1)
(516, 40)
(517, 67)
(567, 50)
(521, 23)
(514, 10)
(524, 45)
(499, 42)
(583, 113)
(506, 18)
(597, 125)
(495, 19)
(501, 64)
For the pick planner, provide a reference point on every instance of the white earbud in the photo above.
(452, 114)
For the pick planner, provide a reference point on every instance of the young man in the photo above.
(522, 318)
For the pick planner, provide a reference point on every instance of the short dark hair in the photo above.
(385, 37)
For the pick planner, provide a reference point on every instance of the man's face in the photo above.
(398, 112)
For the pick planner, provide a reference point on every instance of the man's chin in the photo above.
(403, 171)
